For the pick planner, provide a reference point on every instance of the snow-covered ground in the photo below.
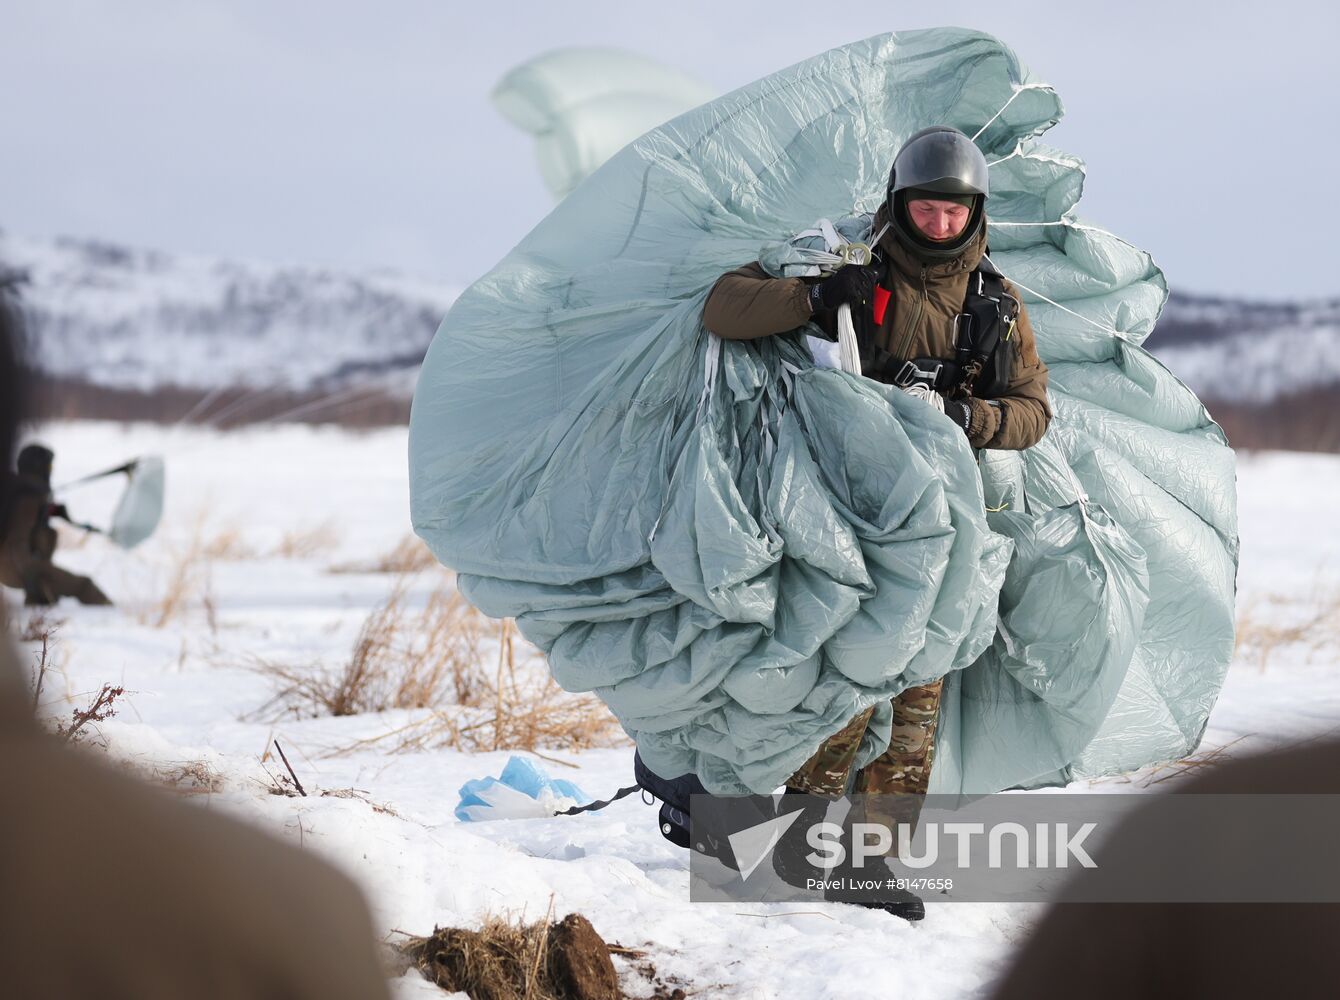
(282, 507)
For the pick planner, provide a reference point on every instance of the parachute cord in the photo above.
(1017, 91)
(711, 361)
(203, 404)
(1065, 309)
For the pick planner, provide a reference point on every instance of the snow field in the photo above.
(255, 522)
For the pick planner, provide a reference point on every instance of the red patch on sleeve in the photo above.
(881, 303)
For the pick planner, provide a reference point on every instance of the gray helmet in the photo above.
(944, 160)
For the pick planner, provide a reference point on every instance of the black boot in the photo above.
(788, 857)
(898, 902)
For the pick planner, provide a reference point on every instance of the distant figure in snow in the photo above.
(29, 540)
(110, 887)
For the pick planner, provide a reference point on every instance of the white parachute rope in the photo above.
(204, 403)
(849, 352)
(1065, 309)
(336, 398)
(711, 360)
(1018, 148)
(1017, 91)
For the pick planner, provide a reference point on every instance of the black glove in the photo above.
(853, 283)
(959, 411)
(58, 510)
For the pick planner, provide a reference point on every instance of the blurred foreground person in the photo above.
(29, 540)
(111, 888)
(1221, 950)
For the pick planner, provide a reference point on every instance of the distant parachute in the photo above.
(583, 105)
(140, 508)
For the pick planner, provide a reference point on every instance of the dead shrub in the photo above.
(228, 545)
(40, 626)
(437, 656)
(1190, 764)
(510, 710)
(189, 581)
(100, 709)
(191, 778)
(403, 658)
(1270, 624)
(508, 960)
(410, 555)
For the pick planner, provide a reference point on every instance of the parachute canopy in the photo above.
(739, 550)
(585, 104)
(141, 505)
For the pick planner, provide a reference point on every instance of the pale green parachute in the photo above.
(739, 550)
(585, 104)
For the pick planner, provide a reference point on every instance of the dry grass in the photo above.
(410, 555)
(404, 657)
(509, 709)
(1272, 624)
(507, 959)
(191, 778)
(444, 656)
(41, 625)
(1190, 764)
(188, 582)
(306, 542)
(41, 628)
(228, 545)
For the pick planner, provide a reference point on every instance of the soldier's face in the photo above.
(938, 220)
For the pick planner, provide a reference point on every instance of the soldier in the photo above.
(911, 312)
(29, 540)
(110, 887)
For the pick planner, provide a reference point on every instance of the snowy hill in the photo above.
(121, 318)
(139, 319)
(1249, 352)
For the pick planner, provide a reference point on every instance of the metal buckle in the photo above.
(855, 253)
(910, 373)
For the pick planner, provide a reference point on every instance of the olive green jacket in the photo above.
(919, 323)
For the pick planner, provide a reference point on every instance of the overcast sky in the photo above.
(360, 134)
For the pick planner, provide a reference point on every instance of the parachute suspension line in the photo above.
(248, 400)
(202, 404)
(1018, 148)
(1065, 309)
(340, 396)
(1017, 91)
(711, 360)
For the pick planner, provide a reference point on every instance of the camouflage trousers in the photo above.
(903, 769)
